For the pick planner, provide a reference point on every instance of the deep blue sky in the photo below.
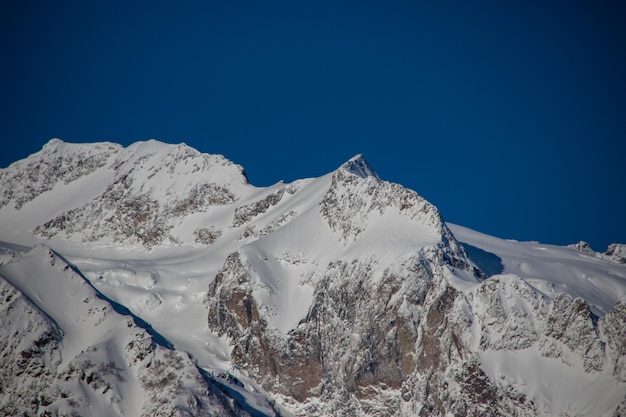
(510, 118)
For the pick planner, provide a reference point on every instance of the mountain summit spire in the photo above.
(357, 165)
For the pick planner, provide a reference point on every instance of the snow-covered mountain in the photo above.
(155, 280)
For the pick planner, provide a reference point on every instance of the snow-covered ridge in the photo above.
(552, 270)
(105, 193)
(164, 274)
(616, 252)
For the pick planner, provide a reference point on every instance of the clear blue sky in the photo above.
(510, 118)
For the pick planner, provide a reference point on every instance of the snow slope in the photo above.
(551, 269)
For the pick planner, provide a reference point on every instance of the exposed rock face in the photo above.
(245, 213)
(612, 332)
(583, 247)
(122, 215)
(371, 345)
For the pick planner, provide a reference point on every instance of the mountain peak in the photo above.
(52, 143)
(357, 165)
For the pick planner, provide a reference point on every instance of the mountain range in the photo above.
(155, 280)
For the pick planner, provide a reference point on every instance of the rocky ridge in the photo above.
(616, 252)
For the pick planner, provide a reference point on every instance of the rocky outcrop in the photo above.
(247, 212)
(616, 252)
(611, 328)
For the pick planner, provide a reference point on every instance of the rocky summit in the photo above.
(155, 280)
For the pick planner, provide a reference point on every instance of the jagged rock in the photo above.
(583, 247)
(617, 253)
(245, 213)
